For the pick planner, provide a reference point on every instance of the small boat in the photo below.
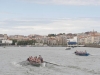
(81, 53)
(68, 48)
(36, 63)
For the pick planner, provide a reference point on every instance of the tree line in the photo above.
(24, 42)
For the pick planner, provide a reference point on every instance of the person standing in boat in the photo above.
(38, 60)
(41, 59)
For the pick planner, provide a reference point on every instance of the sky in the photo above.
(43, 17)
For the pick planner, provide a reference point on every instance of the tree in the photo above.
(50, 35)
(13, 42)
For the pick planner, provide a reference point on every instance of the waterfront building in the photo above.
(91, 37)
(3, 39)
(7, 42)
(72, 41)
(18, 37)
(3, 36)
(61, 39)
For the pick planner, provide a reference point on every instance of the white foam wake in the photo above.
(15, 64)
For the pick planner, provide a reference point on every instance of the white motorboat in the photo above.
(68, 48)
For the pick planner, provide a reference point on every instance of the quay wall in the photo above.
(92, 45)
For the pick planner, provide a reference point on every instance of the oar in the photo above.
(52, 63)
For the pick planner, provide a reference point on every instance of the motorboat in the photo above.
(68, 48)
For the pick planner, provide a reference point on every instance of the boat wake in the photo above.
(24, 63)
(84, 69)
(94, 54)
(52, 67)
(15, 64)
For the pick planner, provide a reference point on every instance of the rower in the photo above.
(41, 58)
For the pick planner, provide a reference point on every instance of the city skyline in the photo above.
(44, 17)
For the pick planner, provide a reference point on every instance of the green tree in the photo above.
(13, 42)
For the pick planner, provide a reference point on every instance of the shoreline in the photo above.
(92, 45)
(87, 45)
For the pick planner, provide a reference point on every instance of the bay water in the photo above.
(61, 61)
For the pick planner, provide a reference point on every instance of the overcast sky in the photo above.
(24, 17)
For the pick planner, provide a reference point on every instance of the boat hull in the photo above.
(68, 48)
(38, 64)
(86, 54)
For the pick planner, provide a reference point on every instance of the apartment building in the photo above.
(3, 36)
(90, 38)
(4, 39)
(19, 37)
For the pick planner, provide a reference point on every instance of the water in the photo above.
(65, 62)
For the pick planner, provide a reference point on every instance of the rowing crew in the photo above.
(35, 59)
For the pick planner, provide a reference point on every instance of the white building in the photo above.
(6, 41)
(73, 40)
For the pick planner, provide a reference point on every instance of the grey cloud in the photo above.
(38, 26)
